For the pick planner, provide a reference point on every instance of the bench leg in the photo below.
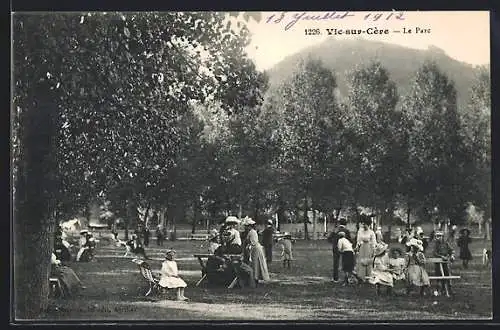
(201, 279)
(233, 283)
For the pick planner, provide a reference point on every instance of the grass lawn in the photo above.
(115, 291)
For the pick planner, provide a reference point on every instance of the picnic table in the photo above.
(442, 277)
(203, 258)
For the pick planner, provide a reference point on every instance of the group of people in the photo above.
(366, 258)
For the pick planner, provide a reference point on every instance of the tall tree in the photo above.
(379, 135)
(99, 97)
(436, 146)
(310, 115)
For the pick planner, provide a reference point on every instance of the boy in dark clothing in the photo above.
(267, 241)
(333, 238)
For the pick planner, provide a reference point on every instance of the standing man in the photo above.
(267, 240)
(146, 233)
(442, 249)
(333, 238)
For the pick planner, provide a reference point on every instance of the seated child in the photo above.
(416, 275)
(397, 264)
(213, 241)
(345, 248)
(381, 276)
(170, 276)
(286, 249)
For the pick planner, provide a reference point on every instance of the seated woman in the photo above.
(170, 276)
(219, 269)
(381, 276)
(135, 246)
(70, 282)
(231, 236)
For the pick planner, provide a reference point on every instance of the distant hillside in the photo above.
(342, 56)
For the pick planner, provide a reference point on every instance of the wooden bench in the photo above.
(198, 237)
(442, 277)
(147, 274)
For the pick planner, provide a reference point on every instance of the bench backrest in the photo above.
(144, 269)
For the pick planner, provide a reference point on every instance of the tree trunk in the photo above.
(306, 218)
(195, 216)
(408, 216)
(35, 188)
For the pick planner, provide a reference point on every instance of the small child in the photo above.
(286, 249)
(397, 264)
(381, 276)
(345, 248)
(213, 241)
(170, 276)
(416, 274)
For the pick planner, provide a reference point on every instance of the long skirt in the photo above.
(465, 254)
(364, 261)
(417, 276)
(68, 278)
(258, 263)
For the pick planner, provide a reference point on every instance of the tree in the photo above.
(476, 128)
(310, 124)
(379, 135)
(97, 101)
(436, 147)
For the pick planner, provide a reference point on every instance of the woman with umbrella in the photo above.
(463, 243)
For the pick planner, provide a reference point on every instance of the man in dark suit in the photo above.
(333, 238)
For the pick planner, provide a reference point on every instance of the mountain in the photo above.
(342, 56)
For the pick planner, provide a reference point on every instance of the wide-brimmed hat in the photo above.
(341, 233)
(287, 234)
(416, 243)
(247, 221)
(270, 222)
(170, 252)
(232, 219)
(84, 231)
(380, 248)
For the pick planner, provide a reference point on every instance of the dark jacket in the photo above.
(267, 236)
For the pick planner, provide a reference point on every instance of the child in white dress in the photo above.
(170, 276)
(286, 249)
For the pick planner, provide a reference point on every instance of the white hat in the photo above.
(85, 231)
(270, 222)
(419, 230)
(248, 221)
(232, 219)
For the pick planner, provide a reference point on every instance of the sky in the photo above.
(463, 35)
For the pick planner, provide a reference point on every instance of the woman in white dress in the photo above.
(170, 276)
(256, 253)
(365, 244)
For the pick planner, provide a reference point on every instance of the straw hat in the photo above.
(85, 231)
(248, 221)
(380, 248)
(232, 219)
(463, 230)
(287, 234)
